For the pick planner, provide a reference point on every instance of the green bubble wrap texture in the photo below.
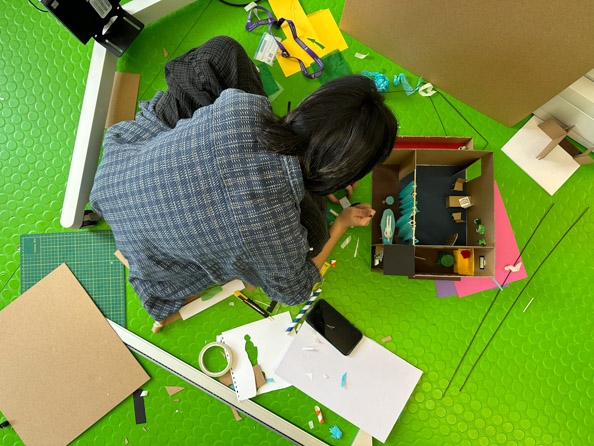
(533, 385)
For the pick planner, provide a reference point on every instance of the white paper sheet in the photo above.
(272, 343)
(377, 386)
(199, 305)
(552, 171)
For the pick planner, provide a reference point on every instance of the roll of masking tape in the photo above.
(227, 353)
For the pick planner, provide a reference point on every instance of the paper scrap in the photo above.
(506, 252)
(260, 379)
(335, 432)
(266, 336)
(362, 439)
(356, 248)
(514, 268)
(528, 305)
(175, 401)
(346, 242)
(311, 424)
(236, 414)
(139, 411)
(387, 338)
(172, 390)
(309, 375)
(226, 379)
(165, 53)
(269, 380)
(372, 401)
(445, 288)
(333, 263)
(345, 203)
(361, 56)
(427, 90)
(342, 380)
(325, 376)
(144, 429)
(125, 441)
(319, 414)
(144, 393)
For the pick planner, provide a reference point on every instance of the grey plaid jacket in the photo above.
(204, 203)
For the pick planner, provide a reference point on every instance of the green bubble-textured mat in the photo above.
(533, 385)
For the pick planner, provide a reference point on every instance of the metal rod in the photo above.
(493, 301)
(512, 305)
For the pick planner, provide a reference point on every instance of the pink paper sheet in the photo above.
(506, 253)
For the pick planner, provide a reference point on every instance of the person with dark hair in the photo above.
(207, 185)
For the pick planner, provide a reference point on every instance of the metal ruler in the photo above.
(214, 388)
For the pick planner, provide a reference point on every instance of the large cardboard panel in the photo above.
(503, 57)
(63, 367)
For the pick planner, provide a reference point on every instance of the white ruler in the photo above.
(214, 388)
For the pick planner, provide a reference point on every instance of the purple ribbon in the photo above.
(250, 26)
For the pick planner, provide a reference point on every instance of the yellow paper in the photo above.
(329, 36)
(327, 30)
(292, 10)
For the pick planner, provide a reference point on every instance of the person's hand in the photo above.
(358, 215)
(349, 190)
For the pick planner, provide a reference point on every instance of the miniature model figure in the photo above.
(208, 185)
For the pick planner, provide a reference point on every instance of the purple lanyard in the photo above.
(277, 23)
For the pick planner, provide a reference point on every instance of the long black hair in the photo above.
(341, 131)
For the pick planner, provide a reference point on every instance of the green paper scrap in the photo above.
(211, 292)
(334, 66)
(271, 86)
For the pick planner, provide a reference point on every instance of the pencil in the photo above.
(252, 304)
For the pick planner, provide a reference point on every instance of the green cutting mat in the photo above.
(89, 255)
(533, 386)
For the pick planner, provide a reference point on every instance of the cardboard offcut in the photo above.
(458, 202)
(122, 105)
(555, 132)
(63, 367)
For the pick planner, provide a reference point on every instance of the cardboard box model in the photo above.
(420, 179)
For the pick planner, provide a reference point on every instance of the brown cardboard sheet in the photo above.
(122, 105)
(63, 367)
(505, 58)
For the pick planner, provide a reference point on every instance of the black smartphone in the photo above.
(337, 330)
